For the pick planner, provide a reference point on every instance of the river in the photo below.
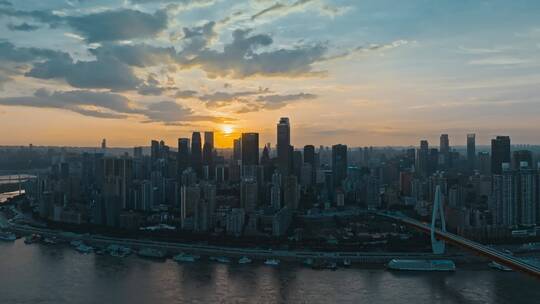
(58, 274)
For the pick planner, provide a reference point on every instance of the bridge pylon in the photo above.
(438, 246)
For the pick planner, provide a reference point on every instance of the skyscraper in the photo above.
(339, 163)
(444, 149)
(237, 149)
(500, 153)
(522, 156)
(183, 158)
(309, 155)
(196, 153)
(284, 150)
(208, 152)
(250, 149)
(154, 150)
(471, 151)
(422, 158)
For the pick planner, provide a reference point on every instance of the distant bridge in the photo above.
(442, 235)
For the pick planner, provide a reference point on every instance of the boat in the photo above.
(7, 236)
(184, 257)
(498, 266)
(421, 265)
(83, 248)
(76, 243)
(347, 263)
(272, 262)
(221, 259)
(50, 240)
(318, 265)
(308, 262)
(244, 260)
(30, 239)
(118, 251)
(151, 253)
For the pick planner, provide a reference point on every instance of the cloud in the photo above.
(185, 94)
(105, 72)
(110, 25)
(116, 25)
(170, 112)
(5, 3)
(370, 48)
(221, 99)
(243, 58)
(280, 9)
(24, 27)
(139, 55)
(274, 102)
(9, 52)
(108, 105)
(498, 60)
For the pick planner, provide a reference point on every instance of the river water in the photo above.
(58, 274)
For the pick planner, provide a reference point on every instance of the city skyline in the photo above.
(371, 73)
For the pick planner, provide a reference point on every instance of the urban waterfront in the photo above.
(58, 274)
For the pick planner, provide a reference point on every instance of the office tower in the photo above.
(284, 146)
(339, 163)
(504, 196)
(250, 149)
(138, 152)
(154, 150)
(484, 162)
(104, 144)
(196, 153)
(373, 194)
(235, 221)
(434, 160)
(306, 175)
(500, 153)
(527, 190)
(297, 163)
(444, 148)
(471, 151)
(208, 149)
(422, 158)
(248, 194)
(291, 192)
(309, 155)
(522, 156)
(237, 150)
(183, 158)
(275, 197)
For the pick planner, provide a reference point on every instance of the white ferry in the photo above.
(183, 257)
(82, 248)
(244, 260)
(498, 266)
(272, 262)
(421, 265)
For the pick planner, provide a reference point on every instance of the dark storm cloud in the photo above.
(24, 27)
(105, 72)
(112, 25)
(119, 25)
(109, 105)
(9, 52)
(140, 55)
(116, 106)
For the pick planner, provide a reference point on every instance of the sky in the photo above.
(358, 72)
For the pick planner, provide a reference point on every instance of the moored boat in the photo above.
(151, 253)
(498, 266)
(184, 257)
(272, 262)
(244, 260)
(83, 248)
(421, 265)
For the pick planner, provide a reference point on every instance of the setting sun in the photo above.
(227, 129)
